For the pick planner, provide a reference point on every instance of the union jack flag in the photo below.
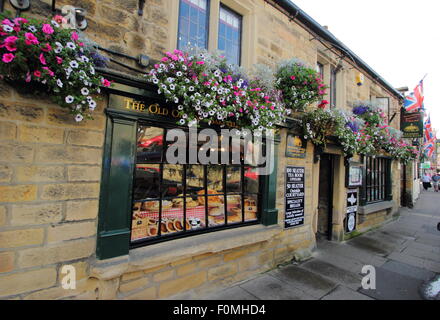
(429, 148)
(414, 101)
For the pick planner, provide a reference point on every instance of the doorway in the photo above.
(325, 197)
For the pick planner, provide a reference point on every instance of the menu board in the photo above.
(295, 147)
(295, 191)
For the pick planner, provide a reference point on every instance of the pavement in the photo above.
(405, 255)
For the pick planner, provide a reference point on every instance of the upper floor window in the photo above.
(229, 34)
(193, 23)
(320, 70)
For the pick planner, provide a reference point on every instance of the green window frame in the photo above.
(115, 208)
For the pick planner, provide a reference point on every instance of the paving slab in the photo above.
(268, 287)
(307, 281)
(343, 293)
(394, 286)
(408, 270)
(371, 245)
(233, 293)
(422, 254)
(342, 262)
(347, 278)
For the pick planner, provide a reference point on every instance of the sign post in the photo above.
(352, 209)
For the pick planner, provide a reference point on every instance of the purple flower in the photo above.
(360, 110)
(353, 126)
(99, 60)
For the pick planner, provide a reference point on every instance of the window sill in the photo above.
(170, 251)
(376, 207)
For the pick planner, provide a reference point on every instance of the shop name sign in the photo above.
(129, 104)
(295, 197)
(412, 125)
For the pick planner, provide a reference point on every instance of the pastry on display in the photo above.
(178, 226)
(216, 211)
(249, 215)
(152, 230)
(195, 223)
(212, 199)
(150, 206)
(163, 228)
(139, 226)
(234, 200)
(216, 220)
(170, 226)
(166, 204)
(234, 218)
(137, 206)
(235, 211)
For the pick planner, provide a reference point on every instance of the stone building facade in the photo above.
(51, 168)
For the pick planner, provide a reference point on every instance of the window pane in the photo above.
(172, 183)
(149, 144)
(250, 207)
(195, 180)
(146, 182)
(216, 211)
(145, 220)
(215, 180)
(233, 179)
(251, 180)
(193, 23)
(230, 35)
(234, 209)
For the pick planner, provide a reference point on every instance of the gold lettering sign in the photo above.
(156, 109)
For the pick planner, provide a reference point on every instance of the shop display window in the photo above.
(173, 200)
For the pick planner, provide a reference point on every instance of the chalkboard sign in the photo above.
(295, 191)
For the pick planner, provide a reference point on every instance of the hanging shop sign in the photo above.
(426, 165)
(295, 147)
(412, 125)
(352, 209)
(295, 196)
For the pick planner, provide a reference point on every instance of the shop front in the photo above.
(192, 226)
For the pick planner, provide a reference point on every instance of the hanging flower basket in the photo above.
(44, 57)
(300, 85)
(205, 88)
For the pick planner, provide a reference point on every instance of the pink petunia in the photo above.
(105, 82)
(8, 57)
(37, 73)
(174, 57)
(58, 19)
(47, 29)
(50, 72)
(200, 62)
(292, 77)
(42, 59)
(20, 20)
(30, 39)
(46, 47)
(74, 36)
(8, 22)
(16, 29)
(164, 59)
(59, 60)
(28, 77)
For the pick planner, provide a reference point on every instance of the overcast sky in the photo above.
(399, 39)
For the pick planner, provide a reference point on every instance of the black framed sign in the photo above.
(295, 196)
(352, 208)
(295, 146)
(353, 176)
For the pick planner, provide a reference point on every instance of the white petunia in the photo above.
(184, 116)
(70, 45)
(59, 83)
(57, 50)
(155, 80)
(191, 88)
(55, 24)
(69, 99)
(32, 29)
(7, 28)
(84, 59)
(172, 66)
(92, 70)
(92, 104)
(184, 68)
(172, 87)
(180, 107)
(176, 100)
(79, 118)
(85, 91)
(74, 64)
(179, 73)
(182, 121)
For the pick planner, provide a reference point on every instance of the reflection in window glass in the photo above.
(233, 179)
(149, 144)
(146, 181)
(193, 23)
(195, 180)
(251, 180)
(172, 183)
(215, 179)
(229, 35)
